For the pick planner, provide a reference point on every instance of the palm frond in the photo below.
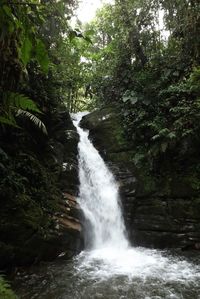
(16, 104)
(36, 121)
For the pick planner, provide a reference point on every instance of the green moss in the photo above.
(149, 185)
(194, 181)
(123, 157)
(5, 290)
(29, 196)
(146, 183)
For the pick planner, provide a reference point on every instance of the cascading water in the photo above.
(98, 197)
(109, 268)
(109, 248)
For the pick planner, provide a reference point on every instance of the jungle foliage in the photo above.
(38, 63)
(145, 57)
(5, 290)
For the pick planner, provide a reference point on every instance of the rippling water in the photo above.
(111, 269)
(108, 274)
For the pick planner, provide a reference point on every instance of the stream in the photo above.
(109, 268)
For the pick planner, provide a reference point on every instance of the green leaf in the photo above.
(11, 27)
(164, 147)
(176, 73)
(72, 35)
(138, 157)
(125, 99)
(42, 55)
(155, 137)
(17, 100)
(36, 121)
(87, 39)
(163, 132)
(7, 10)
(130, 96)
(133, 101)
(5, 290)
(146, 101)
(7, 121)
(171, 135)
(26, 51)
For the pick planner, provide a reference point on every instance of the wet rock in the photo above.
(39, 222)
(160, 211)
(193, 246)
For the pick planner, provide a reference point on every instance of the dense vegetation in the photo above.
(143, 56)
(5, 290)
(38, 73)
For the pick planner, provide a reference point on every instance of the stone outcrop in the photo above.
(68, 226)
(39, 217)
(68, 219)
(160, 211)
(66, 236)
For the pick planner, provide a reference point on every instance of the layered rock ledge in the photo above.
(160, 211)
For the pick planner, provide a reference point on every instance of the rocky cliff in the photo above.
(39, 216)
(161, 210)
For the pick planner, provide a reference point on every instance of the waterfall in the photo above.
(98, 196)
(109, 267)
(108, 253)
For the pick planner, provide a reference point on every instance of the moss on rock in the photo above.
(160, 197)
(31, 186)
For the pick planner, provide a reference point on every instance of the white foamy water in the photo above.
(109, 253)
(98, 197)
(109, 268)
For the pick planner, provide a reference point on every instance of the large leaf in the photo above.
(171, 135)
(36, 121)
(77, 33)
(26, 51)
(7, 11)
(164, 147)
(42, 55)
(130, 96)
(155, 137)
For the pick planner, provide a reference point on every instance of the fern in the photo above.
(5, 290)
(17, 100)
(36, 121)
(16, 104)
(8, 121)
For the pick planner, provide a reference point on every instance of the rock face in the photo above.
(64, 144)
(68, 227)
(39, 217)
(66, 236)
(160, 211)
